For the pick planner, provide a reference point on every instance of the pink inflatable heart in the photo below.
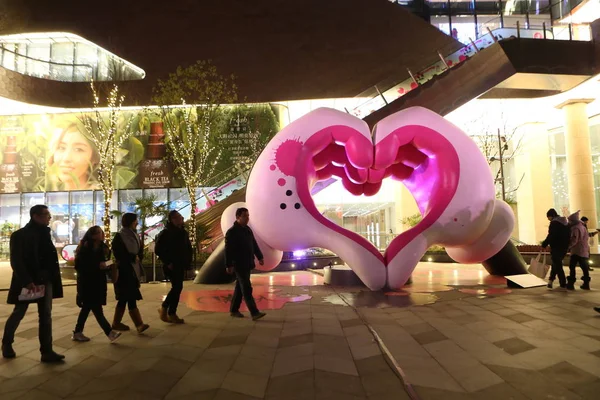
(440, 165)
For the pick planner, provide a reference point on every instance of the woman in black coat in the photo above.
(128, 251)
(91, 264)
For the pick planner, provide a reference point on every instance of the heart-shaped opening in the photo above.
(421, 158)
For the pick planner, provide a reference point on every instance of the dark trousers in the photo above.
(583, 263)
(45, 320)
(98, 313)
(243, 288)
(176, 276)
(557, 268)
(131, 304)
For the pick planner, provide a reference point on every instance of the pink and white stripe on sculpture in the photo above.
(440, 165)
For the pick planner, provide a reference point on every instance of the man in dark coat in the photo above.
(559, 236)
(174, 248)
(34, 262)
(240, 250)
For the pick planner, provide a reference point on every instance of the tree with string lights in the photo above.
(190, 102)
(108, 133)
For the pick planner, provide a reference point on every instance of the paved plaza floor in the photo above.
(455, 334)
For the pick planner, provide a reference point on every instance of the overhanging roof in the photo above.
(278, 49)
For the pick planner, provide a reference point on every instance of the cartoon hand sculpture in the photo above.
(439, 164)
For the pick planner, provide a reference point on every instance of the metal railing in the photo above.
(378, 96)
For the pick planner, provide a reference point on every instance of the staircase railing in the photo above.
(378, 96)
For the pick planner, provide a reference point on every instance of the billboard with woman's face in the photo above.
(54, 152)
(72, 160)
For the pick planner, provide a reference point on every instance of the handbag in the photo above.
(537, 267)
(32, 295)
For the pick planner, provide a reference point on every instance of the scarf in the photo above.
(132, 244)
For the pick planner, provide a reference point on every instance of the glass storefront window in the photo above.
(115, 223)
(179, 201)
(82, 213)
(127, 199)
(8, 56)
(30, 200)
(61, 225)
(21, 51)
(62, 53)
(154, 224)
(86, 58)
(10, 208)
(442, 22)
(38, 54)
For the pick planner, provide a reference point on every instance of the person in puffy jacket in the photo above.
(579, 247)
(559, 236)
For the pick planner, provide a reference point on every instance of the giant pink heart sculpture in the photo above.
(440, 165)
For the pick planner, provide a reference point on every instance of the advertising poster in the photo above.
(53, 152)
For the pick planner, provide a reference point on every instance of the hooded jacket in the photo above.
(579, 244)
(559, 235)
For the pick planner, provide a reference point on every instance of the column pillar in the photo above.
(580, 172)
(405, 206)
(534, 194)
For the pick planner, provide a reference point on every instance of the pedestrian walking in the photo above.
(585, 220)
(579, 247)
(92, 261)
(559, 236)
(128, 252)
(240, 250)
(34, 262)
(174, 249)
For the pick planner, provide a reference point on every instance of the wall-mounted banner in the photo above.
(54, 152)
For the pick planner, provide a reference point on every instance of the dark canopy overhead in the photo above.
(278, 49)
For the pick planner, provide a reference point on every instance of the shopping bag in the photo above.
(539, 268)
(30, 295)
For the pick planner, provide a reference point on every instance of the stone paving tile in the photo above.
(244, 383)
(335, 364)
(64, 384)
(351, 322)
(295, 340)
(514, 346)
(521, 317)
(533, 384)
(568, 375)
(446, 349)
(429, 337)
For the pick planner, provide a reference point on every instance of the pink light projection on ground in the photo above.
(267, 298)
(428, 278)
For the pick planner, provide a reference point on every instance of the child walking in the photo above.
(91, 264)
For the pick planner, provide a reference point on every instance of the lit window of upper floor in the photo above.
(64, 57)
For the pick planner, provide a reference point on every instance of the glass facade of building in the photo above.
(63, 57)
(468, 20)
(558, 160)
(74, 212)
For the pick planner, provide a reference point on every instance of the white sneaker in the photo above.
(79, 337)
(114, 335)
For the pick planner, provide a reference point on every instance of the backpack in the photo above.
(160, 246)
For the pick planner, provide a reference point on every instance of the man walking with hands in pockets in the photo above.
(240, 250)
